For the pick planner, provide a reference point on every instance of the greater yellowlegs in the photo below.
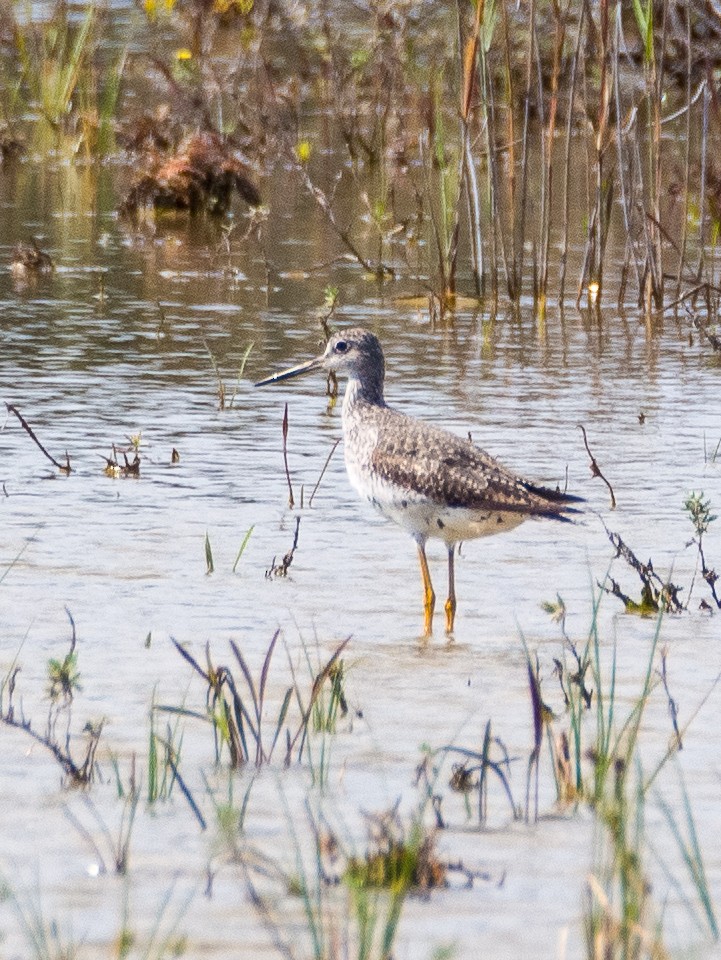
(430, 482)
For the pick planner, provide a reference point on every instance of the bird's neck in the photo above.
(368, 391)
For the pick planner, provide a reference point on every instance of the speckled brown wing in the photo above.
(447, 469)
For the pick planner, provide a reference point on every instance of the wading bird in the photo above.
(430, 482)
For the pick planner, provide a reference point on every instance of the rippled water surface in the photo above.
(117, 342)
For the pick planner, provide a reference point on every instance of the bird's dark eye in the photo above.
(341, 347)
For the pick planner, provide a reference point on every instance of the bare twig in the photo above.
(656, 594)
(322, 473)
(595, 469)
(64, 468)
(281, 569)
(291, 499)
(379, 269)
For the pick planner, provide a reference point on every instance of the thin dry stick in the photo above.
(595, 469)
(658, 64)
(545, 238)
(511, 267)
(291, 499)
(525, 150)
(29, 430)
(702, 194)
(687, 158)
(325, 467)
(489, 124)
(216, 370)
(602, 129)
(626, 202)
(567, 161)
(437, 235)
(468, 170)
(379, 269)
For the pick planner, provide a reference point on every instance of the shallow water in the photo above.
(91, 362)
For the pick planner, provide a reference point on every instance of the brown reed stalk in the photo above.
(512, 279)
(291, 499)
(655, 277)
(567, 158)
(62, 467)
(559, 17)
(702, 192)
(490, 126)
(520, 219)
(591, 277)
(687, 158)
(602, 128)
(624, 164)
(468, 178)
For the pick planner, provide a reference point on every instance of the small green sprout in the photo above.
(63, 677)
(699, 511)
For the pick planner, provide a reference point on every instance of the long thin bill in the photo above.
(313, 364)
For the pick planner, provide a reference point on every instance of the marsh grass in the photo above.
(230, 816)
(682, 827)
(45, 939)
(243, 545)
(56, 71)
(49, 939)
(328, 703)
(163, 757)
(597, 759)
(351, 903)
(163, 941)
(209, 562)
(711, 455)
(236, 709)
(109, 847)
(474, 772)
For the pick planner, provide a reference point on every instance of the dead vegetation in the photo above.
(200, 176)
(78, 765)
(29, 258)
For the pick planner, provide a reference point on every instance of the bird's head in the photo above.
(356, 354)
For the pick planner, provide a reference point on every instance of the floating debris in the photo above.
(129, 468)
(200, 176)
(11, 146)
(29, 258)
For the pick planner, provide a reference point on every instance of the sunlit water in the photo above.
(115, 343)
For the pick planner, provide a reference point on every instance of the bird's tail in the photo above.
(552, 496)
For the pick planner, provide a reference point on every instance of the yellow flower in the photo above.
(242, 6)
(303, 150)
(183, 54)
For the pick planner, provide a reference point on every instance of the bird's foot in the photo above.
(450, 608)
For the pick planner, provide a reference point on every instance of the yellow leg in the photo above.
(451, 601)
(429, 597)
